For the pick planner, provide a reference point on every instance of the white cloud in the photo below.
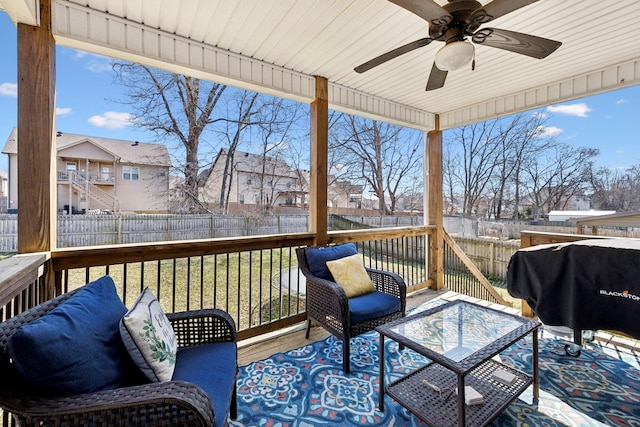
(547, 131)
(540, 114)
(63, 111)
(622, 101)
(578, 110)
(99, 66)
(9, 89)
(112, 120)
(94, 62)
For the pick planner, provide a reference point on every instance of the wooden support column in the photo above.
(435, 204)
(36, 146)
(36, 126)
(319, 162)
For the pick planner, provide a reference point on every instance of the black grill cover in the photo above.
(589, 284)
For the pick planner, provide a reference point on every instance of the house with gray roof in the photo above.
(253, 182)
(101, 174)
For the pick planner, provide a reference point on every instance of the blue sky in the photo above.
(85, 90)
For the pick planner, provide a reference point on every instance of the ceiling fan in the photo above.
(453, 23)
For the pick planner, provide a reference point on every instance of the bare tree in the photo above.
(277, 119)
(554, 178)
(381, 154)
(175, 108)
(244, 108)
(616, 189)
(472, 166)
(450, 163)
(521, 138)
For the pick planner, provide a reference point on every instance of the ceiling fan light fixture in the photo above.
(454, 55)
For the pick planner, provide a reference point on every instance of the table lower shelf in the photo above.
(429, 406)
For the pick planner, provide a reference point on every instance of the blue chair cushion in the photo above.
(212, 367)
(76, 347)
(372, 305)
(317, 258)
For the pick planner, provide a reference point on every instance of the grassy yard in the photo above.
(240, 283)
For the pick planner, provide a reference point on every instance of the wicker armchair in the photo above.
(169, 403)
(328, 305)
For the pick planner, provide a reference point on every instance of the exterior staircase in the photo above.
(93, 192)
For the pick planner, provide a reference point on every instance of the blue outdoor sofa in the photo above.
(65, 363)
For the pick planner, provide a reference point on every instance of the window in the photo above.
(242, 199)
(106, 173)
(71, 166)
(130, 173)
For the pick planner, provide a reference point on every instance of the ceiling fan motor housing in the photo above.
(462, 23)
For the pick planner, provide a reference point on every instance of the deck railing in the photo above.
(255, 279)
(463, 276)
(21, 283)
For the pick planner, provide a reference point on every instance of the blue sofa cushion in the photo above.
(76, 347)
(212, 367)
(372, 305)
(317, 258)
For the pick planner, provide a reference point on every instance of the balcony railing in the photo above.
(98, 178)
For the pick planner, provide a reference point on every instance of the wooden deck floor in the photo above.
(264, 346)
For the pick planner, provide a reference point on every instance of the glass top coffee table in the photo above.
(461, 339)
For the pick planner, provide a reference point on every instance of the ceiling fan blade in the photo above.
(496, 9)
(436, 78)
(525, 44)
(392, 54)
(428, 10)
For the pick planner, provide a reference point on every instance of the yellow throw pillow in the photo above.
(349, 273)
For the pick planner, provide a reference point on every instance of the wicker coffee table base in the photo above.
(441, 409)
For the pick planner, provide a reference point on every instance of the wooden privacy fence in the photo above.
(490, 256)
(98, 230)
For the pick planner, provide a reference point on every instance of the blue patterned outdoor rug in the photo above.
(306, 387)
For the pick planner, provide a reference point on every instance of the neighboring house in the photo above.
(573, 216)
(340, 193)
(255, 180)
(4, 191)
(343, 194)
(102, 174)
(573, 203)
(410, 203)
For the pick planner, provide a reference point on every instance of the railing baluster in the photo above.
(202, 282)
(173, 293)
(239, 282)
(188, 284)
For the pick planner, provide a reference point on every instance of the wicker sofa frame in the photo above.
(169, 403)
(328, 305)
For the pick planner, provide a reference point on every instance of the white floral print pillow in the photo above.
(148, 336)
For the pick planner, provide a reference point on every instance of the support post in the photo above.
(434, 211)
(318, 221)
(36, 126)
(36, 142)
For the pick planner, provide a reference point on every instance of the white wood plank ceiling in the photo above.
(278, 46)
